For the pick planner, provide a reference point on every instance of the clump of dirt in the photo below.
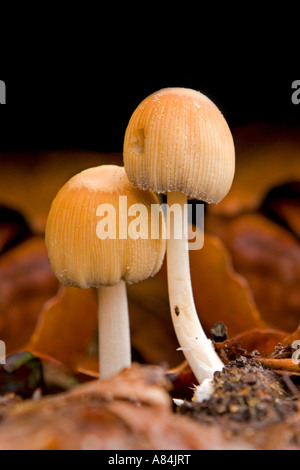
(245, 393)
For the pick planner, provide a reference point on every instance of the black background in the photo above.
(86, 103)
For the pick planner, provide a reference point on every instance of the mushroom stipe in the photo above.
(177, 142)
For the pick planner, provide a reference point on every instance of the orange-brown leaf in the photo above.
(220, 293)
(66, 327)
(26, 282)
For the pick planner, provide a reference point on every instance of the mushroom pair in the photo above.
(178, 143)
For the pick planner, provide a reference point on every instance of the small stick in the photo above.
(279, 364)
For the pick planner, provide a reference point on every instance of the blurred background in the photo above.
(52, 108)
(59, 120)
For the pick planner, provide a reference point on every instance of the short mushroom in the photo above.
(89, 247)
(177, 142)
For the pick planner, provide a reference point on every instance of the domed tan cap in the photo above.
(77, 255)
(178, 140)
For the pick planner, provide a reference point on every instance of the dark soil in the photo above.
(246, 395)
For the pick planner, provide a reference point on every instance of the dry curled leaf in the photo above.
(268, 256)
(26, 282)
(221, 294)
(66, 326)
(264, 341)
(133, 410)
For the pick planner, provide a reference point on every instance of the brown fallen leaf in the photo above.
(133, 410)
(279, 436)
(221, 294)
(268, 256)
(66, 326)
(26, 282)
(262, 340)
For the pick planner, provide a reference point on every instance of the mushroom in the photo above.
(89, 247)
(177, 142)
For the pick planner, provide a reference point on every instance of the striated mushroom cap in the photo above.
(178, 140)
(77, 255)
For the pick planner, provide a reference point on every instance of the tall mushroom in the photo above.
(177, 142)
(91, 243)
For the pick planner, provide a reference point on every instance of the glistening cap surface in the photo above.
(77, 255)
(178, 140)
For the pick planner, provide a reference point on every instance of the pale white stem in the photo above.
(114, 330)
(197, 348)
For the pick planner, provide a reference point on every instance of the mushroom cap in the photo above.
(178, 140)
(77, 255)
